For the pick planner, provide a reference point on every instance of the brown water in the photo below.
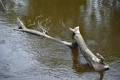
(25, 56)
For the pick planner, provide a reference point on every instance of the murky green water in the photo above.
(25, 56)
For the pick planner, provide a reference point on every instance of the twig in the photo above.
(43, 28)
(38, 17)
(29, 21)
(63, 24)
(24, 29)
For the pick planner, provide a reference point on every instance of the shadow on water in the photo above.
(79, 67)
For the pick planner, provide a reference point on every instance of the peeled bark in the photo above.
(24, 29)
(97, 62)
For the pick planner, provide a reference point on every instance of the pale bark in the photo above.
(97, 62)
(24, 29)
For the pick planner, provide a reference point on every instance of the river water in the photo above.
(24, 56)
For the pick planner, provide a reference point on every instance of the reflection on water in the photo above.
(14, 9)
(20, 6)
(30, 57)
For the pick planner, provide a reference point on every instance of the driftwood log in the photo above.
(97, 62)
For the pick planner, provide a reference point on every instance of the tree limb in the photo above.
(24, 29)
(97, 62)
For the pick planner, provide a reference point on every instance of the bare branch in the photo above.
(44, 29)
(24, 29)
(97, 62)
(41, 25)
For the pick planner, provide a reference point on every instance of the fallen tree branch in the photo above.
(97, 62)
(24, 29)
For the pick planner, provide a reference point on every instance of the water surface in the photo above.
(24, 56)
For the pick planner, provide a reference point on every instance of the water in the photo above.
(24, 56)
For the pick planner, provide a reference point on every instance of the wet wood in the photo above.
(97, 62)
(24, 29)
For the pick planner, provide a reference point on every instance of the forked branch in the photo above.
(24, 29)
(95, 61)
